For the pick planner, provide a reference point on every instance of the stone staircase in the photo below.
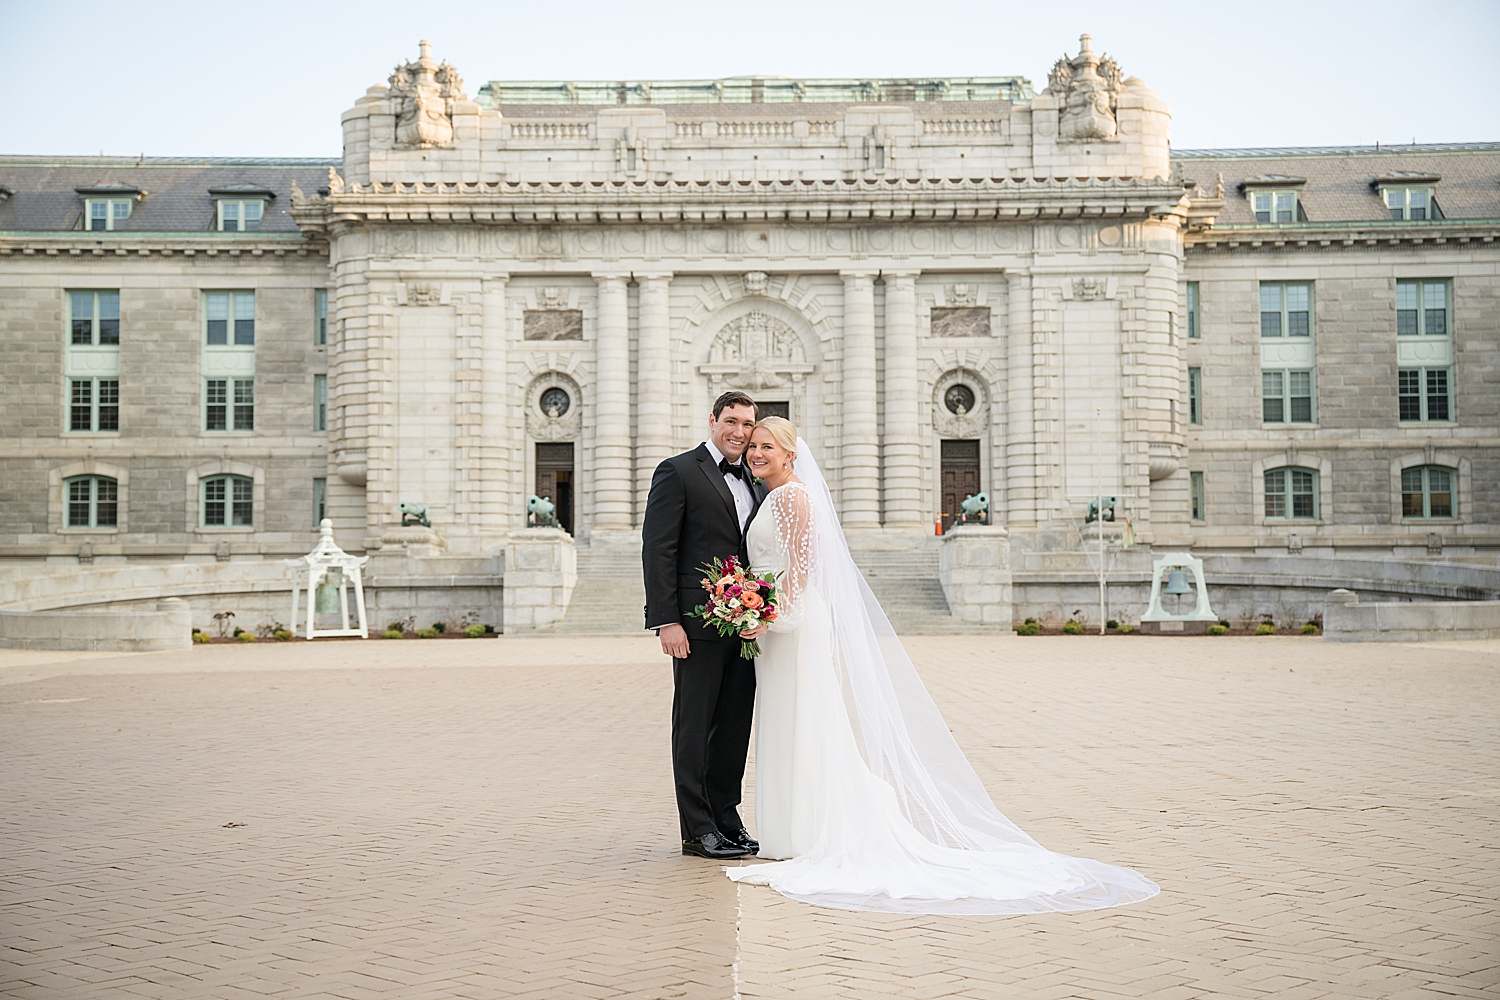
(609, 596)
(907, 585)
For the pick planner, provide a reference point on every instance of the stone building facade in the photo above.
(951, 287)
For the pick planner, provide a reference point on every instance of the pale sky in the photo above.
(270, 78)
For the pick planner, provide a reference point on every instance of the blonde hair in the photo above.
(782, 430)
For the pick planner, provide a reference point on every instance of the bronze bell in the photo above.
(1177, 583)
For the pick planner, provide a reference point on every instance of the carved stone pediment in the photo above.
(1087, 89)
(756, 352)
(422, 94)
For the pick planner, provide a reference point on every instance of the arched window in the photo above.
(93, 502)
(1427, 491)
(1292, 493)
(227, 501)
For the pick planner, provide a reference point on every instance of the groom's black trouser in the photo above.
(712, 705)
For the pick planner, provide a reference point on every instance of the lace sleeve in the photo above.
(792, 509)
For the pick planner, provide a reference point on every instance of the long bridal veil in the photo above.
(904, 742)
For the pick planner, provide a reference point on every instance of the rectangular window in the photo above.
(1195, 488)
(94, 318)
(93, 502)
(106, 214)
(1286, 397)
(94, 404)
(240, 216)
(320, 501)
(1422, 309)
(320, 330)
(1412, 204)
(81, 405)
(320, 402)
(1285, 309)
(1277, 206)
(244, 404)
(1424, 394)
(229, 317)
(1195, 396)
(79, 497)
(1193, 330)
(218, 414)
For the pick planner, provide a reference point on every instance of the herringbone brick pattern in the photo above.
(494, 819)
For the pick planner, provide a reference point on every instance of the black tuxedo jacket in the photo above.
(690, 520)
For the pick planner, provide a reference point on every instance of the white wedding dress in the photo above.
(860, 789)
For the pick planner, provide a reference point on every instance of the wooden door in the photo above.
(960, 477)
(554, 479)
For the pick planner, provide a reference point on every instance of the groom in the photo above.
(700, 505)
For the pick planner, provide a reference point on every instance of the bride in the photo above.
(859, 785)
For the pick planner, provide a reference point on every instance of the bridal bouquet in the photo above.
(737, 600)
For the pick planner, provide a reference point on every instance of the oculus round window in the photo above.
(959, 399)
(555, 402)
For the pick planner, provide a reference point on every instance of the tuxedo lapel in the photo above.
(716, 479)
(758, 493)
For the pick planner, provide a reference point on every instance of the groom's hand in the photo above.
(674, 641)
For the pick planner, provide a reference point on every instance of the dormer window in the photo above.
(240, 207)
(1410, 197)
(1275, 198)
(106, 207)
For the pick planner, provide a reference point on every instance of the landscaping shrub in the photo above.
(200, 636)
(1265, 628)
(282, 634)
(1111, 624)
(1224, 624)
(1029, 628)
(245, 636)
(428, 633)
(1310, 629)
(1071, 627)
(474, 631)
(1218, 629)
(1126, 629)
(393, 633)
(440, 626)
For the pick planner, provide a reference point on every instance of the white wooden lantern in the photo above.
(323, 562)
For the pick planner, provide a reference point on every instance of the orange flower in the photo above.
(751, 599)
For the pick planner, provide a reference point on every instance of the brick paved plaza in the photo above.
(494, 819)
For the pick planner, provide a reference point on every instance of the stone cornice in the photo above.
(605, 202)
(1340, 235)
(79, 243)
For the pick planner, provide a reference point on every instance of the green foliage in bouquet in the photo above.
(737, 600)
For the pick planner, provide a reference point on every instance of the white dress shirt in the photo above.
(744, 500)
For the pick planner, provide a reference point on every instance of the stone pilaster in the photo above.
(1020, 451)
(653, 382)
(495, 513)
(860, 451)
(903, 453)
(612, 486)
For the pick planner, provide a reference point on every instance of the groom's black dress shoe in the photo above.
(714, 846)
(743, 839)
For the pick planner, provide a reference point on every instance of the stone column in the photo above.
(903, 450)
(612, 484)
(497, 507)
(653, 384)
(859, 466)
(1020, 451)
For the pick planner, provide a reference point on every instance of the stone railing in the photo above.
(549, 130)
(963, 126)
(168, 626)
(756, 130)
(975, 570)
(1346, 620)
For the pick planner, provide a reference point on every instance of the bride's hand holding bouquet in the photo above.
(739, 603)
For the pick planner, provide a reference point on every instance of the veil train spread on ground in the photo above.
(925, 837)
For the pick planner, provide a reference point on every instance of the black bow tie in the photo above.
(734, 469)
